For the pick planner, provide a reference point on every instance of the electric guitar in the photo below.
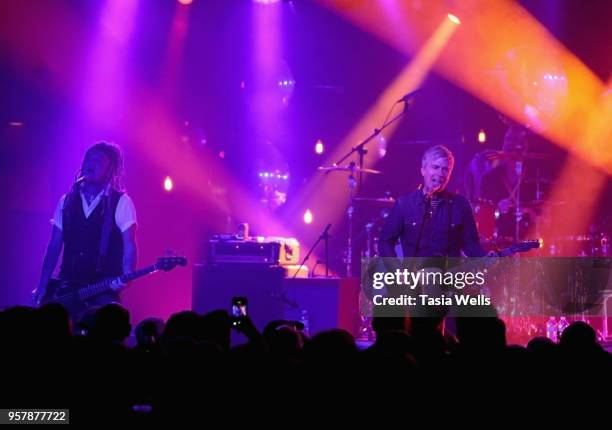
(74, 295)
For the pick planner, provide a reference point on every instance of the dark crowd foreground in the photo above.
(185, 367)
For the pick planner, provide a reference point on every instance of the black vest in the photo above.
(82, 240)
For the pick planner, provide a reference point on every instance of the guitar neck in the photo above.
(485, 261)
(104, 285)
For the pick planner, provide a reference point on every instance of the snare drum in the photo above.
(505, 223)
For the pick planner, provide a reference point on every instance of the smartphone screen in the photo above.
(239, 310)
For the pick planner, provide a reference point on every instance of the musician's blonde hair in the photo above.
(438, 151)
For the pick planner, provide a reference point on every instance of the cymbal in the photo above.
(384, 200)
(511, 155)
(348, 169)
(540, 180)
(524, 155)
(545, 203)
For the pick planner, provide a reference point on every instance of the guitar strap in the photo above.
(106, 229)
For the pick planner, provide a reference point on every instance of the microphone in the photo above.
(407, 98)
(77, 183)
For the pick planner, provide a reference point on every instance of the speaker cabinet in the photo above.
(328, 303)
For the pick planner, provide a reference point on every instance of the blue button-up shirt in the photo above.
(447, 231)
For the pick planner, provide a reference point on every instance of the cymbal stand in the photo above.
(518, 214)
(361, 151)
(352, 183)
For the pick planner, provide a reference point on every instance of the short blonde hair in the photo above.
(438, 151)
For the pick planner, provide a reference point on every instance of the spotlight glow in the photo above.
(308, 216)
(482, 137)
(168, 184)
(453, 19)
(319, 147)
(185, 2)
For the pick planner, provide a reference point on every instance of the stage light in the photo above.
(319, 147)
(308, 216)
(453, 19)
(185, 2)
(482, 137)
(266, 1)
(381, 146)
(168, 184)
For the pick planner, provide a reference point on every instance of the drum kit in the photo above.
(527, 211)
(513, 218)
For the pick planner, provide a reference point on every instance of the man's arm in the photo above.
(390, 232)
(54, 248)
(130, 250)
(125, 218)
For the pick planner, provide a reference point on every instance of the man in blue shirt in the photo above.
(431, 221)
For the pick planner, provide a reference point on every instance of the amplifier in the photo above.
(242, 251)
(269, 250)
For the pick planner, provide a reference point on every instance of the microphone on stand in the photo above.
(429, 208)
(408, 98)
(77, 182)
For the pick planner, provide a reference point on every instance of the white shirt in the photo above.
(125, 215)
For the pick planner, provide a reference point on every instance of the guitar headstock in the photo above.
(168, 263)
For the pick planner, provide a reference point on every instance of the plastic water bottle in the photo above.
(551, 328)
(561, 326)
(305, 319)
(605, 246)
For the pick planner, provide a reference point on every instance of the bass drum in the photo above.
(484, 214)
(505, 222)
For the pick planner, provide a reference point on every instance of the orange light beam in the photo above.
(322, 189)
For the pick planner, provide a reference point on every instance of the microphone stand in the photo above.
(324, 236)
(360, 149)
(425, 216)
